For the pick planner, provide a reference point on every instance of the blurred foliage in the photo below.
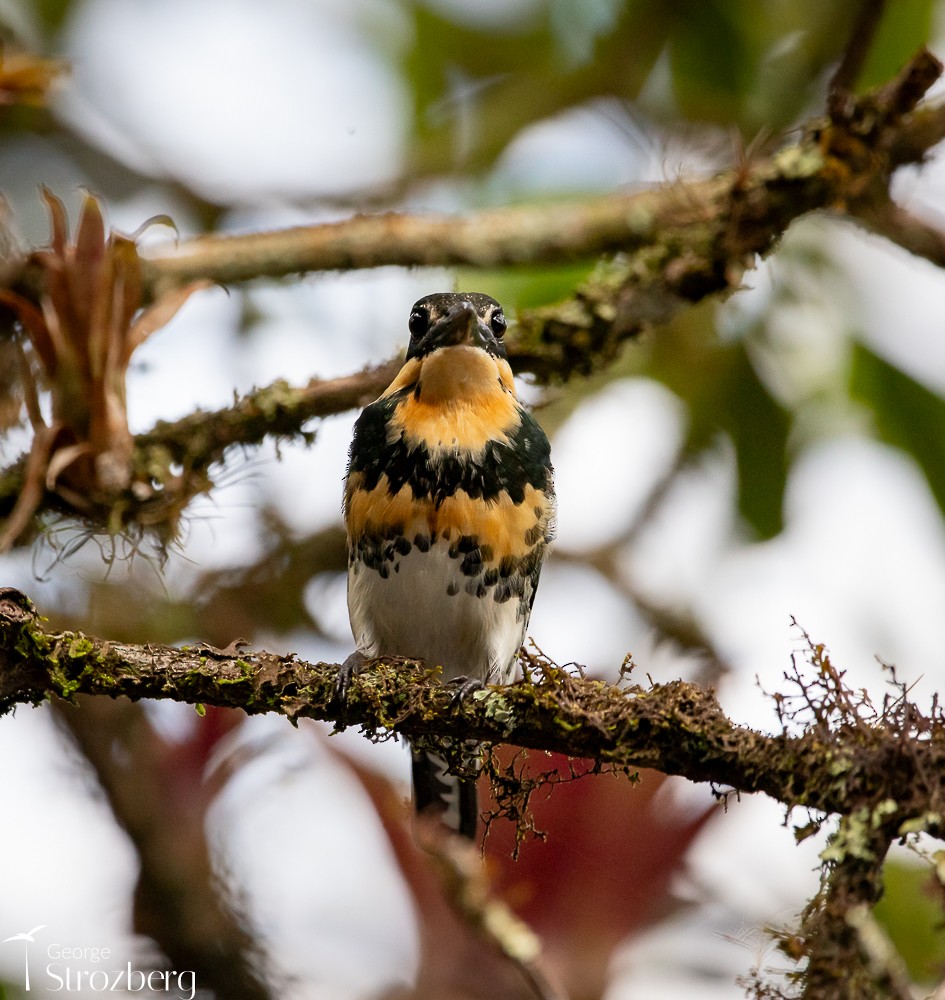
(904, 413)
(910, 912)
(601, 869)
(526, 287)
(26, 79)
(906, 25)
(738, 63)
(723, 394)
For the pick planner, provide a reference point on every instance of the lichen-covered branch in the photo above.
(278, 410)
(835, 927)
(740, 212)
(677, 727)
(176, 455)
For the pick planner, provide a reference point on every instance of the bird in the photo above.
(449, 509)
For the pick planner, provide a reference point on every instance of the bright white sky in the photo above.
(268, 103)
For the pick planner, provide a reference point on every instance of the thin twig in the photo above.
(854, 56)
(899, 226)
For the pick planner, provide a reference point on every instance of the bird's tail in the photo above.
(437, 792)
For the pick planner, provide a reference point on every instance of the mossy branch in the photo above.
(677, 727)
(742, 211)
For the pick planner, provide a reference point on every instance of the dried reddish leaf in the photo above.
(84, 332)
(11, 391)
(34, 325)
(32, 492)
(159, 314)
(603, 872)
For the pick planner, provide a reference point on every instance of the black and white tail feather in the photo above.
(437, 792)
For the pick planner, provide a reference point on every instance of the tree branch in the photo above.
(887, 219)
(833, 926)
(677, 727)
(799, 178)
(854, 56)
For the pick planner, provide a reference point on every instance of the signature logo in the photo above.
(27, 938)
(85, 969)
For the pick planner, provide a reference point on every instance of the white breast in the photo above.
(423, 609)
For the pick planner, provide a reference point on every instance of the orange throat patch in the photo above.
(463, 398)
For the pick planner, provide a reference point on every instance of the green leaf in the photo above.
(724, 394)
(758, 426)
(911, 914)
(905, 27)
(712, 58)
(905, 414)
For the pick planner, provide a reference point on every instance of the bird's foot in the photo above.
(352, 665)
(465, 686)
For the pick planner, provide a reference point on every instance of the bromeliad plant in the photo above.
(78, 340)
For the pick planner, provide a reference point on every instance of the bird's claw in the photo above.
(352, 665)
(465, 686)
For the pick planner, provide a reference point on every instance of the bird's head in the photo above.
(456, 356)
(454, 319)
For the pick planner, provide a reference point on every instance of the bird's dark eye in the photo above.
(499, 323)
(419, 322)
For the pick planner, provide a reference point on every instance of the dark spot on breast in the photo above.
(402, 546)
(507, 566)
(472, 563)
(422, 542)
(452, 590)
(534, 535)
